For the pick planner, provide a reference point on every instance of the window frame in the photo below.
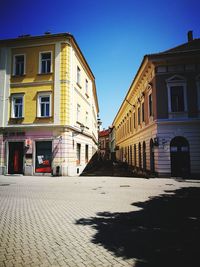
(78, 75)
(13, 97)
(176, 83)
(150, 110)
(39, 96)
(86, 87)
(40, 62)
(78, 112)
(14, 64)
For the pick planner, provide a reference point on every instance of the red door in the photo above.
(16, 155)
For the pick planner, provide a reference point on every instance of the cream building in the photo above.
(157, 127)
(49, 106)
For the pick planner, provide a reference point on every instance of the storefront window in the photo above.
(43, 156)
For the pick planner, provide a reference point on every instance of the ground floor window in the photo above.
(78, 154)
(43, 156)
(86, 154)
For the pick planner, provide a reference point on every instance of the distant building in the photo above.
(104, 144)
(158, 123)
(49, 106)
(112, 146)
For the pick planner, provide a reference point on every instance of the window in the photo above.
(19, 65)
(44, 105)
(43, 157)
(17, 106)
(78, 154)
(143, 112)
(78, 112)
(177, 98)
(177, 95)
(45, 62)
(86, 118)
(150, 105)
(134, 120)
(138, 115)
(86, 153)
(78, 78)
(86, 87)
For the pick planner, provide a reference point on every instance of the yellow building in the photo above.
(48, 106)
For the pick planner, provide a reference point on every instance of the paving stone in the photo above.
(39, 215)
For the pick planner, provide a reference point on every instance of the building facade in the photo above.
(49, 106)
(104, 149)
(158, 124)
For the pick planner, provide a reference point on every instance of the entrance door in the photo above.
(16, 155)
(180, 157)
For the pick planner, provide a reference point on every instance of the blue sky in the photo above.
(113, 35)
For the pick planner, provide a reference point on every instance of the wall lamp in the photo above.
(156, 141)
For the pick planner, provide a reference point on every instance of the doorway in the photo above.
(16, 158)
(180, 157)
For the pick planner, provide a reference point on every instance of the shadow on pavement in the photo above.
(164, 232)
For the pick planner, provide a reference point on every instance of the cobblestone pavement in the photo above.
(53, 221)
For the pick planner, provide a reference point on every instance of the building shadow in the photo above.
(164, 232)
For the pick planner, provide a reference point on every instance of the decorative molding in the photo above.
(14, 85)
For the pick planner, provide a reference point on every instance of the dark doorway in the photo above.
(152, 161)
(16, 156)
(180, 157)
(139, 156)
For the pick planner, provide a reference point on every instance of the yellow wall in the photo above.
(65, 77)
(30, 102)
(32, 64)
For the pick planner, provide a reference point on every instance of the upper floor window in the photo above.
(78, 112)
(19, 65)
(45, 62)
(86, 87)
(139, 116)
(143, 112)
(17, 106)
(78, 77)
(44, 105)
(177, 97)
(150, 105)
(86, 118)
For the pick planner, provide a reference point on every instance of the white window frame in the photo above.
(86, 118)
(40, 95)
(78, 112)
(78, 75)
(40, 61)
(172, 82)
(14, 64)
(13, 97)
(86, 87)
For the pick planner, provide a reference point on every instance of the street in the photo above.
(99, 221)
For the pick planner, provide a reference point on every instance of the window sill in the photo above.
(79, 85)
(17, 119)
(48, 117)
(46, 73)
(18, 76)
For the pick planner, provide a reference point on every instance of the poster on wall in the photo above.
(43, 157)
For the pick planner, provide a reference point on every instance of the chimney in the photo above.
(190, 36)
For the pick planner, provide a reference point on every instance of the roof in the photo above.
(104, 133)
(191, 46)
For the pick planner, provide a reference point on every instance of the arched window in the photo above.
(144, 155)
(152, 163)
(139, 156)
